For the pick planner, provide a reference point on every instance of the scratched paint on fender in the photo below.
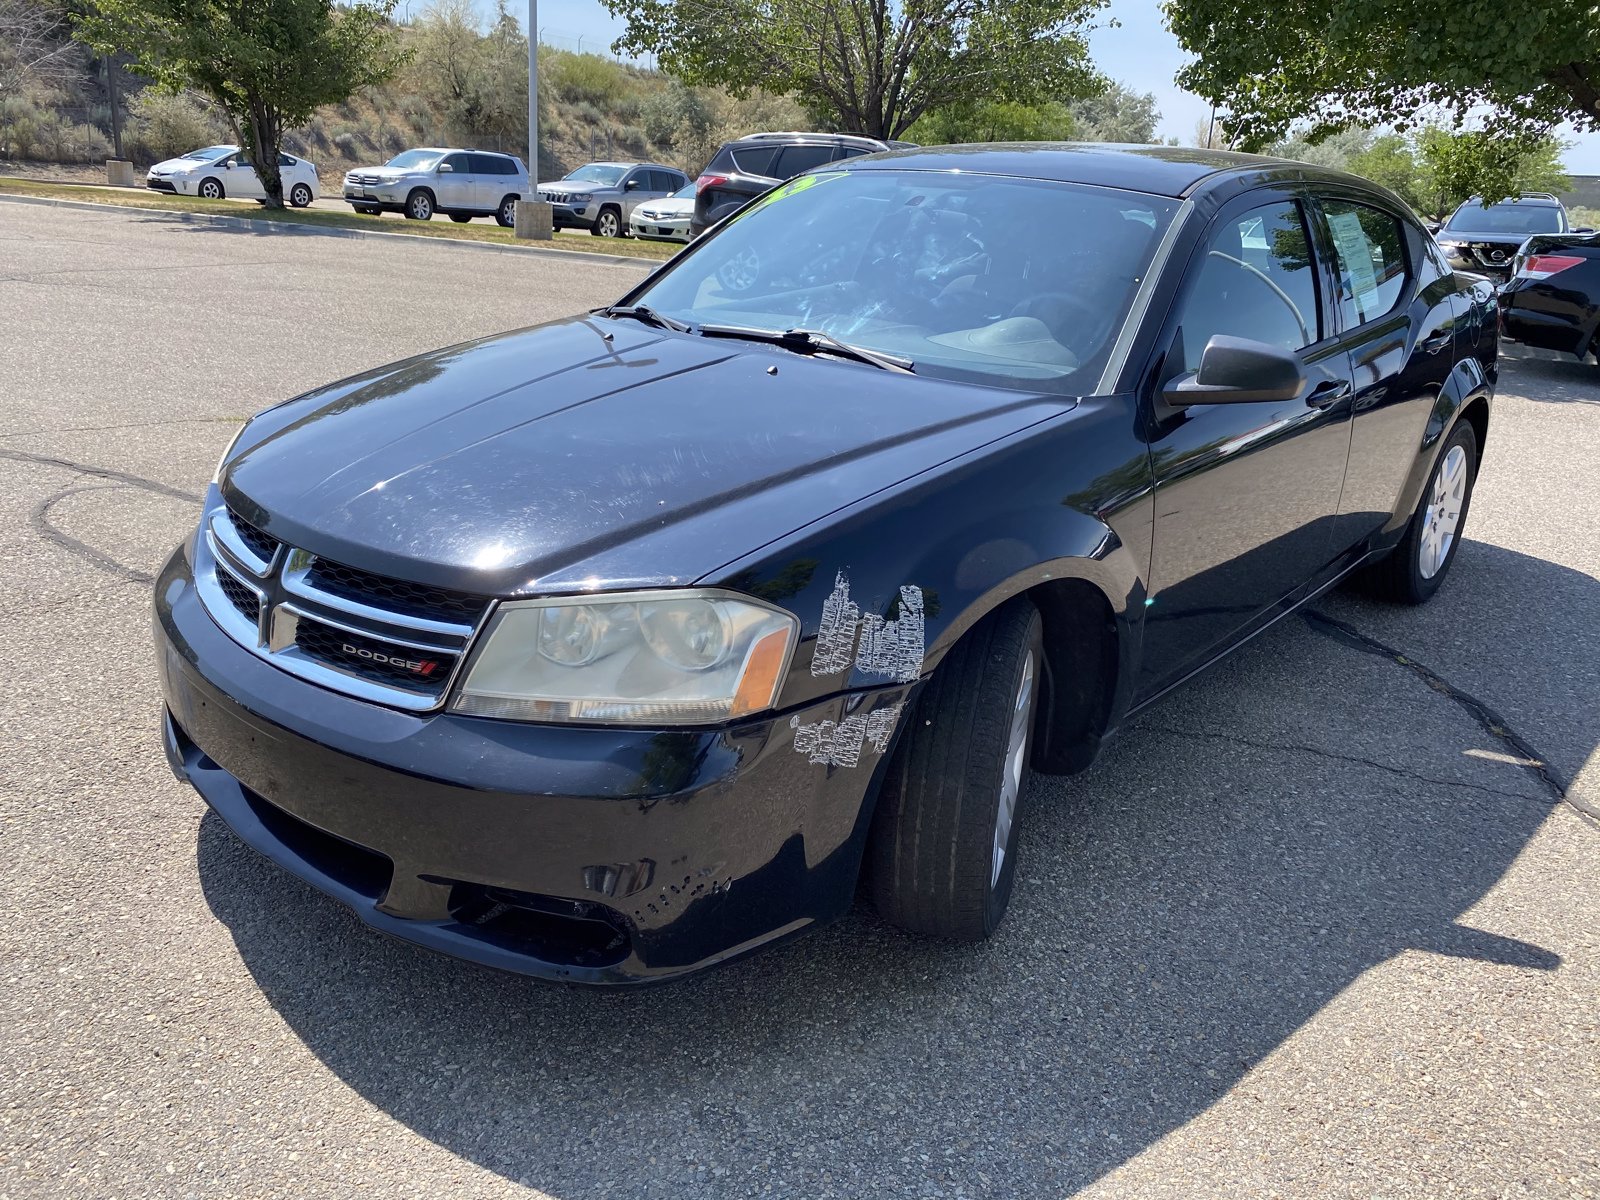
(894, 649)
(839, 743)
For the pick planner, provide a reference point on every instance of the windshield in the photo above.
(414, 158)
(598, 173)
(209, 152)
(686, 192)
(1506, 218)
(1011, 282)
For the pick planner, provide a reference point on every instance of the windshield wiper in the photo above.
(643, 312)
(813, 341)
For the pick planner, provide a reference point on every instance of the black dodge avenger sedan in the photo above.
(617, 647)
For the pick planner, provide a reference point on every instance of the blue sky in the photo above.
(1139, 52)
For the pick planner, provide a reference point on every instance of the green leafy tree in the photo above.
(1454, 166)
(1118, 114)
(868, 66)
(1376, 63)
(994, 121)
(269, 64)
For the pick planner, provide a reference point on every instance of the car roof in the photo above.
(1538, 199)
(610, 162)
(1175, 171)
(848, 139)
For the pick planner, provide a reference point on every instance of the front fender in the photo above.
(885, 587)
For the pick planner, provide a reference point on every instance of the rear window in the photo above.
(1505, 218)
(929, 267)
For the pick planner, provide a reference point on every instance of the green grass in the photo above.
(476, 231)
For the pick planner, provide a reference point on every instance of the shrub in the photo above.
(588, 77)
(162, 125)
(345, 144)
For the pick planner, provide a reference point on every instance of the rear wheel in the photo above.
(943, 848)
(419, 205)
(608, 223)
(506, 214)
(1414, 570)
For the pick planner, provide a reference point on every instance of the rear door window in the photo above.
(1257, 280)
(1369, 249)
(754, 160)
(794, 159)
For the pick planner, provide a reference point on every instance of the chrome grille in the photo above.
(390, 641)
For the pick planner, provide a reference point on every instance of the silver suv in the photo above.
(462, 184)
(601, 196)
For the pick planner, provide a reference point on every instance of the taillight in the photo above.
(1542, 266)
(708, 181)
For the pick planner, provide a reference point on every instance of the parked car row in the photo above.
(1546, 273)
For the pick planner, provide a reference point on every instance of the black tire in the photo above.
(300, 195)
(931, 858)
(211, 189)
(1401, 575)
(506, 215)
(419, 205)
(461, 218)
(366, 210)
(609, 223)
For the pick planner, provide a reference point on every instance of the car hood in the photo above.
(172, 166)
(553, 459)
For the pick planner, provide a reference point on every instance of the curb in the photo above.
(257, 225)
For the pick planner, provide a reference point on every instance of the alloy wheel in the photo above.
(1442, 517)
(1016, 763)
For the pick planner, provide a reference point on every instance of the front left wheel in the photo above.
(210, 189)
(942, 855)
(300, 195)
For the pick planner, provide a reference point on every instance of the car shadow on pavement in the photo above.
(1237, 859)
(1562, 378)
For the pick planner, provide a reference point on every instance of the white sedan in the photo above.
(224, 172)
(664, 220)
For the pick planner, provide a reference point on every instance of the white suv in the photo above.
(462, 184)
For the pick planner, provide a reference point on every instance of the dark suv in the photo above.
(759, 162)
(1485, 237)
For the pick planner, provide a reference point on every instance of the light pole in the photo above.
(533, 214)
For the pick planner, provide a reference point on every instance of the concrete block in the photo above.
(534, 220)
(119, 173)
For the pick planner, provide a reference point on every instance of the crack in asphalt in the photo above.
(39, 519)
(20, 433)
(1492, 723)
(1210, 735)
(138, 481)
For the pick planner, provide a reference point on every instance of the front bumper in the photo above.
(587, 855)
(662, 231)
(156, 184)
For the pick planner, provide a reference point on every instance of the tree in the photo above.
(994, 121)
(34, 46)
(1457, 166)
(269, 64)
(868, 66)
(1374, 63)
(1118, 114)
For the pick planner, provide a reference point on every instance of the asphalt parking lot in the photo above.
(1322, 924)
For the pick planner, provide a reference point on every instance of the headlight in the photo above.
(689, 657)
(580, 197)
(216, 476)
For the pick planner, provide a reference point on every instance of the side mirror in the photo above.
(445, 167)
(631, 186)
(1235, 370)
(1431, 226)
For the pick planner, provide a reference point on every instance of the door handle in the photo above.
(1328, 393)
(1437, 342)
